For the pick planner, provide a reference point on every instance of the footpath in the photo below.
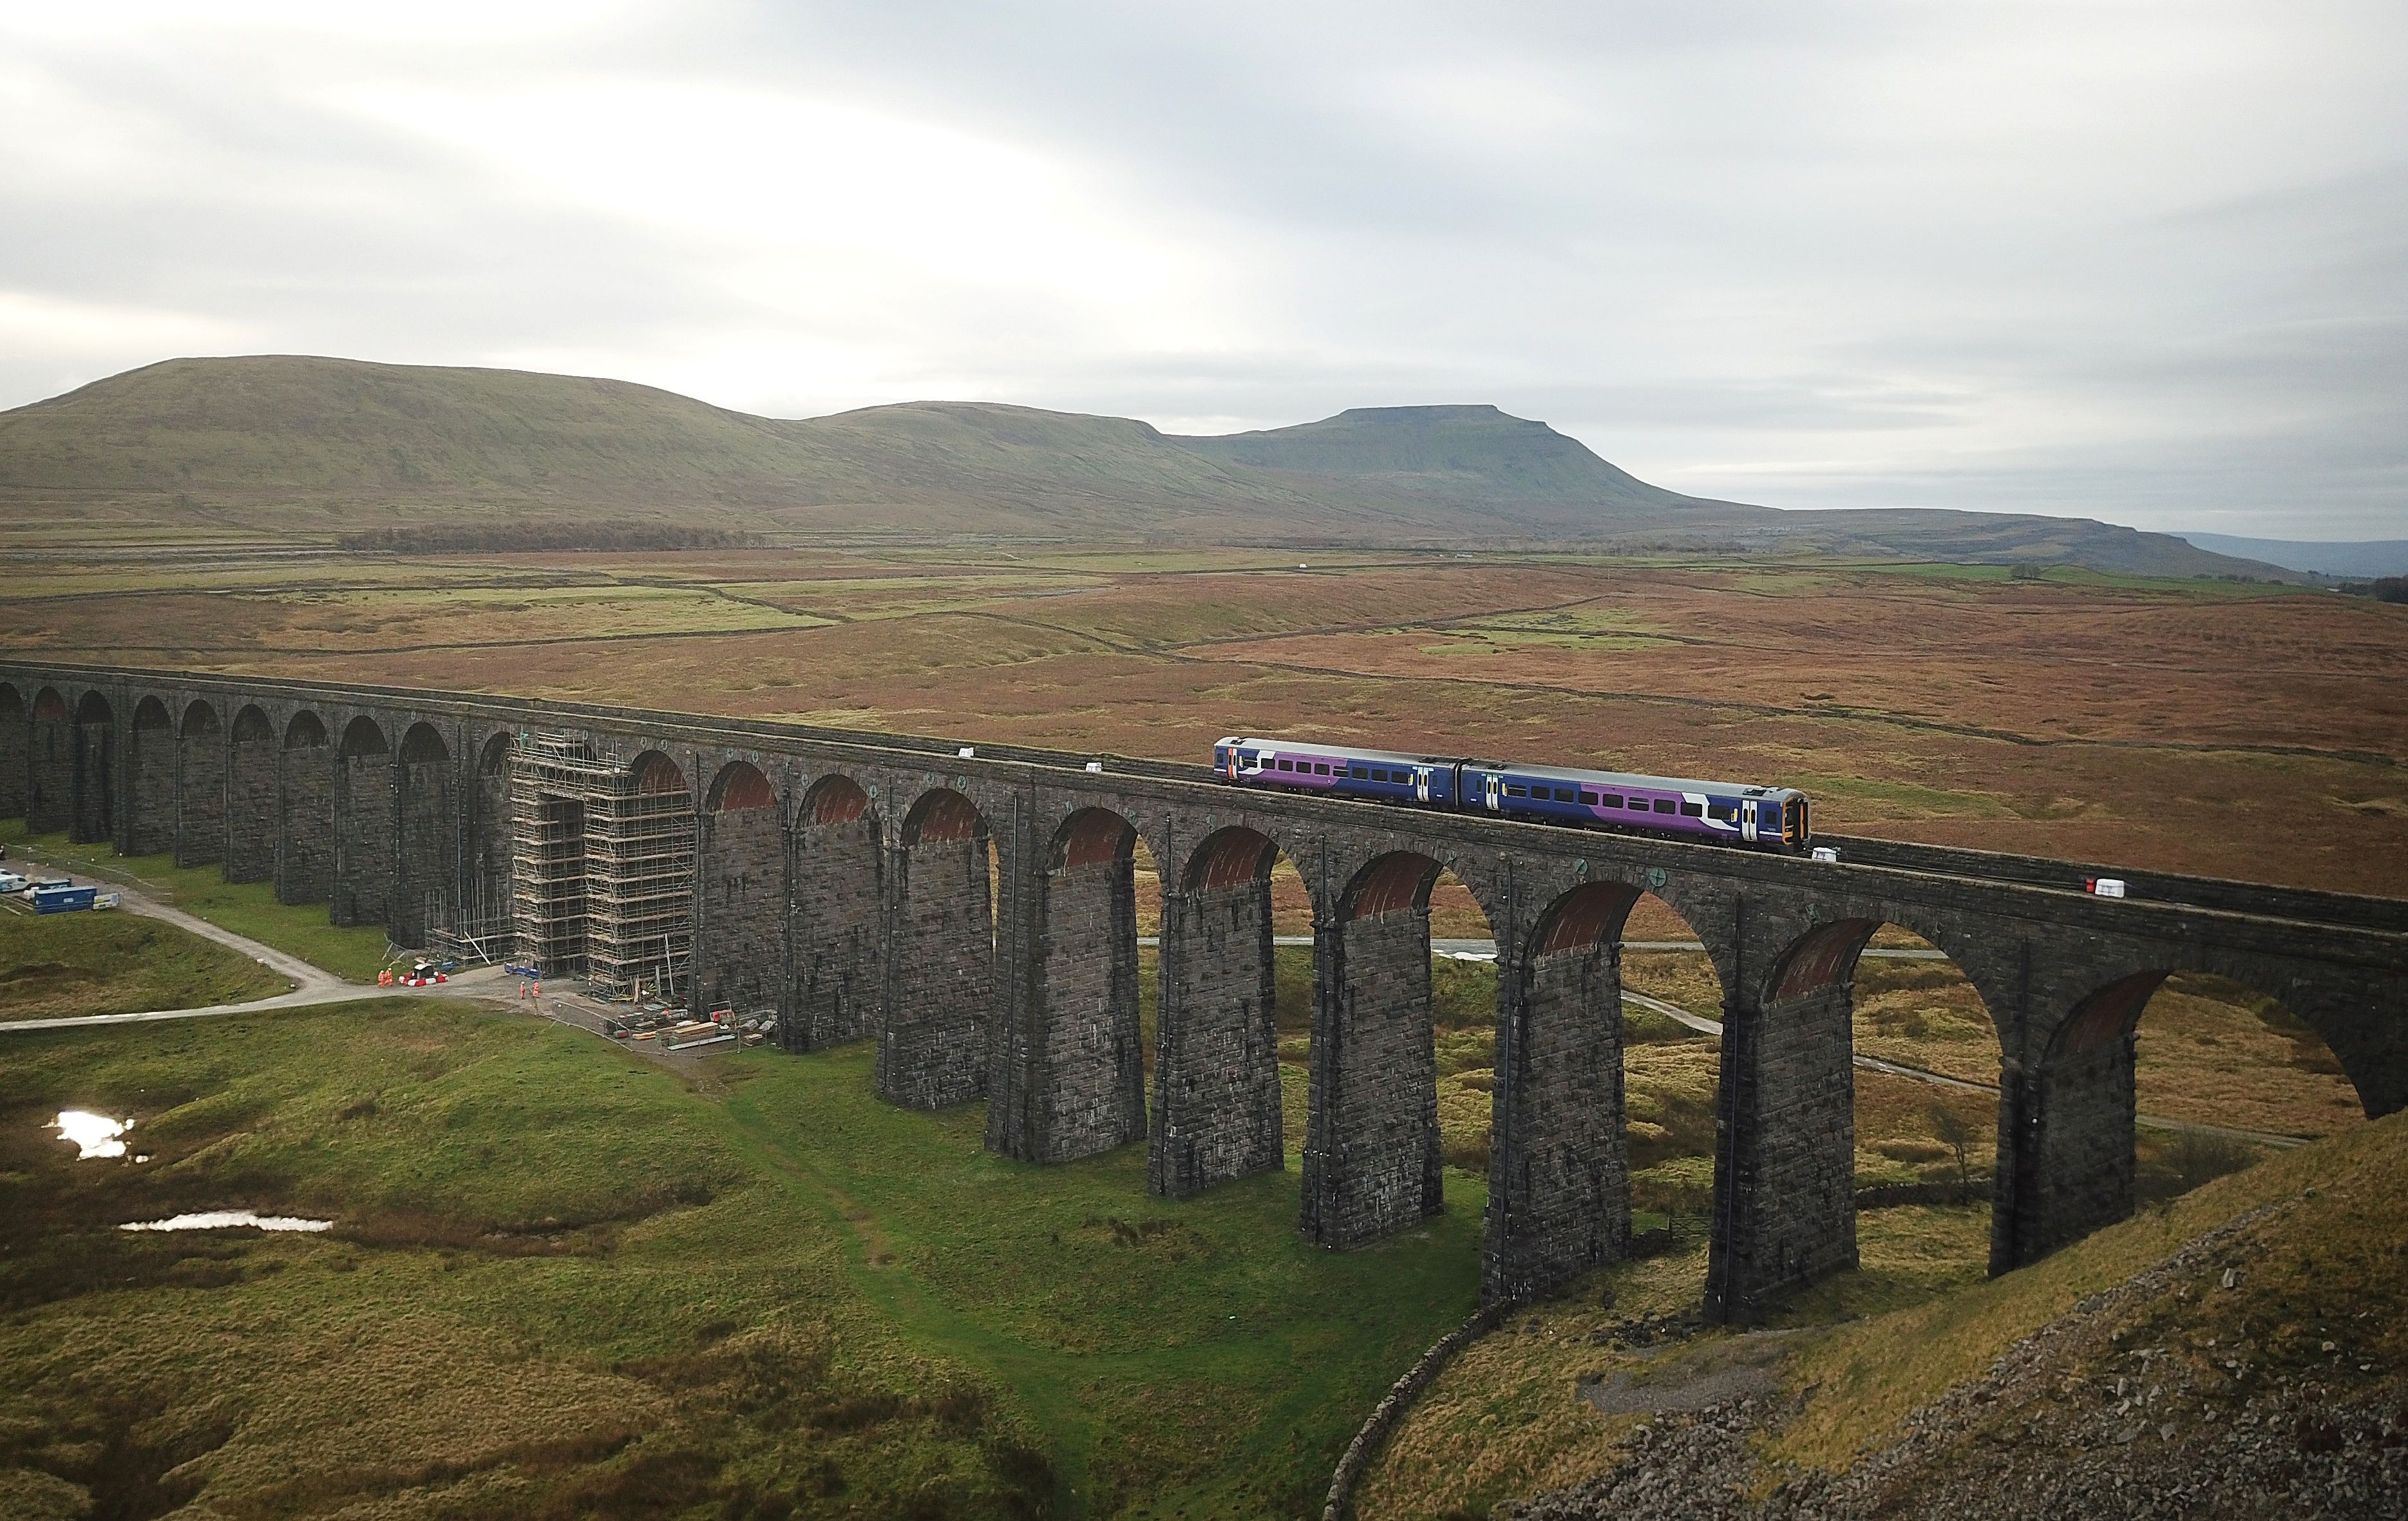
(311, 985)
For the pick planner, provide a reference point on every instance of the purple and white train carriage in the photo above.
(1725, 812)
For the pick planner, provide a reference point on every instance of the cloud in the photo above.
(2139, 259)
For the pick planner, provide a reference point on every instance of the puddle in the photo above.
(220, 1219)
(94, 1134)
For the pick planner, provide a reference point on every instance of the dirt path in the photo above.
(311, 985)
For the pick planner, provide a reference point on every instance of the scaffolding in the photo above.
(601, 866)
(481, 928)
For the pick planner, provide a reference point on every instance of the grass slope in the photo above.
(60, 965)
(2315, 1308)
(563, 1282)
(249, 909)
(2327, 1254)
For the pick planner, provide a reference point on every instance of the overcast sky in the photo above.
(2146, 261)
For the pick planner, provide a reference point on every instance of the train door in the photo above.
(1747, 821)
(1491, 790)
(1420, 783)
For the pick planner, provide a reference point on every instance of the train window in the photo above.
(1588, 798)
(1663, 805)
(1362, 773)
(1723, 812)
(1517, 792)
(1610, 800)
(1321, 767)
(1692, 811)
(1563, 794)
(1287, 765)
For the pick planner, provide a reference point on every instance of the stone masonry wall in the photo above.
(2076, 1153)
(489, 842)
(200, 794)
(305, 847)
(1560, 1172)
(48, 784)
(1794, 1157)
(932, 1043)
(1091, 1064)
(96, 783)
(254, 816)
(1371, 1157)
(740, 940)
(13, 719)
(362, 887)
(834, 911)
(1216, 1098)
(423, 861)
(151, 788)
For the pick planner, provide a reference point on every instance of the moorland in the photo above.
(563, 1280)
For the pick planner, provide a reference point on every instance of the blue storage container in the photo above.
(62, 899)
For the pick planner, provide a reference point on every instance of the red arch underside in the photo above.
(1393, 882)
(1585, 916)
(1823, 956)
(838, 800)
(744, 787)
(946, 816)
(1096, 837)
(1232, 859)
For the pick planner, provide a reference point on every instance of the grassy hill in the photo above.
(301, 446)
(2241, 1350)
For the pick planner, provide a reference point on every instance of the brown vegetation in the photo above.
(2184, 726)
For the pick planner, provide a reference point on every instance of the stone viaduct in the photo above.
(844, 878)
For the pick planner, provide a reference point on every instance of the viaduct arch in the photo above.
(973, 909)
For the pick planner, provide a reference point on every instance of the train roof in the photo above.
(1298, 747)
(1632, 781)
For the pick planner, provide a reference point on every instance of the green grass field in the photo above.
(248, 909)
(57, 966)
(565, 1282)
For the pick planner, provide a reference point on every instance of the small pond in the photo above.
(94, 1134)
(221, 1219)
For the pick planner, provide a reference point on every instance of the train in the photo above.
(1723, 812)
